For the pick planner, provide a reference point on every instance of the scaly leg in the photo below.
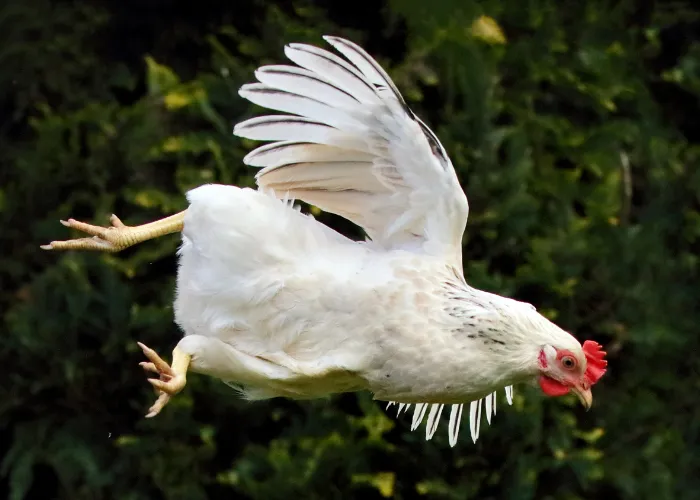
(117, 237)
(172, 378)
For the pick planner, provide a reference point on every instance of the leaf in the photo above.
(382, 481)
(486, 28)
(159, 78)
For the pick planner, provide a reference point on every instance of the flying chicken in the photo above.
(275, 303)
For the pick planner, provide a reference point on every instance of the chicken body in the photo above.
(277, 304)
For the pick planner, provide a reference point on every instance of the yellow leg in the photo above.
(117, 237)
(172, 377)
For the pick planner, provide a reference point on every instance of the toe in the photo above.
(94, 243)
(158, 405)
(116, 221)
(148, 366)
(160, 365)
(86, 228)
(172, 386)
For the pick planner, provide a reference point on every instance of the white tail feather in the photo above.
(455, 421)
(418, 414)
(475, 418)
(475, 410)
(433, 420)
(489, 406)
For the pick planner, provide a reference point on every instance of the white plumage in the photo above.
(277, 304)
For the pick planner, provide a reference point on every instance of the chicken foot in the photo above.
(172, 378)
(117, 237)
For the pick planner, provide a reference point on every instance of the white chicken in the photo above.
(275, 303)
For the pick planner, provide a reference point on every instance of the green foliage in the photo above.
(573, 128)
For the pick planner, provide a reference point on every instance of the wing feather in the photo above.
(300, 105)
(304, 82)
(279, 153)
(334, 69)
(331, 176)
(351, 146)
(295, 128)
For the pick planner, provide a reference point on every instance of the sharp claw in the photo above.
(151, 367)
(158, 384)
(148, 366)
(158, 405)
(153, 412)
(65, 223)
(161, 365)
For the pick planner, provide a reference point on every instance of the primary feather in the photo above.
(277, 304)
(397, 181)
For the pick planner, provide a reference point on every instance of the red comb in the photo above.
(595, 361)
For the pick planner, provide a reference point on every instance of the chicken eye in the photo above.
(568, 362)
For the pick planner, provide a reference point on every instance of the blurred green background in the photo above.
(574, 130)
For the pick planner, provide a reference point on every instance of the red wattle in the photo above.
(551, 387)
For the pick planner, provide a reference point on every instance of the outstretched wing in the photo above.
(351, 146)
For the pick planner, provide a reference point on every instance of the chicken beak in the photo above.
(585, 396)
